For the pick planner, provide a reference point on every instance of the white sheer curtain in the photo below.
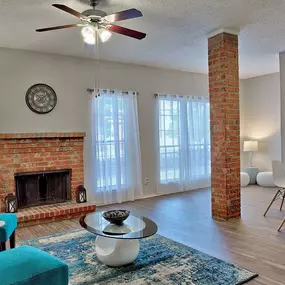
(183, 143)
(116, 161)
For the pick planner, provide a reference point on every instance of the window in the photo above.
(116, 150)
(110, 141)
(169, 113)
(184, 140)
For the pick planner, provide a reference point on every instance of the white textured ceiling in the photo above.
(176, 31)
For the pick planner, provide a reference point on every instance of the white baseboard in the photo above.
(153, 195)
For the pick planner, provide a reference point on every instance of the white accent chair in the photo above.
(279, 181)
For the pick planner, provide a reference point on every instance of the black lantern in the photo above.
(81, 196)
(11, 205)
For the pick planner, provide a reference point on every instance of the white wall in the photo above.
(261, 118)
(70, 77)
(282, 103)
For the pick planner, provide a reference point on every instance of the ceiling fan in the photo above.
(96, 21)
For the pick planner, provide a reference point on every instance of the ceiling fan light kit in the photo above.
(96, 21)
(89, 35)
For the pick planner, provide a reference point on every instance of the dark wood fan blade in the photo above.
(123, 15)
(56, 28)
(69, 10)
(126, 32)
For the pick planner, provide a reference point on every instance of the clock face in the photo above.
(41, 98)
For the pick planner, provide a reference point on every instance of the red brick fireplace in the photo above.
(33, 152)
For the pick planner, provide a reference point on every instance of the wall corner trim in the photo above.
(223, 30)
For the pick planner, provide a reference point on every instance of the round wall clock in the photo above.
(41, 98)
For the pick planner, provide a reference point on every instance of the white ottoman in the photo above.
(265, 179)
(244, 179)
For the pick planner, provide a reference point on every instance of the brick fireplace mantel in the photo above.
(40, 135)
(30, 152)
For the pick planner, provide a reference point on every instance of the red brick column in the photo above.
(225, 125)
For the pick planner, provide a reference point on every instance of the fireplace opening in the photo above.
(42, 188)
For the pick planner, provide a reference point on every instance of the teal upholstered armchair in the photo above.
(8, 224)
(27, 265)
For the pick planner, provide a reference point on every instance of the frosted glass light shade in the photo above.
(88, 34)
(250, 146)
(90, 40)
(104, 35)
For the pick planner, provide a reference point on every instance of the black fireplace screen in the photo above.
(41, 188)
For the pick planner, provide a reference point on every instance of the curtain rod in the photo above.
(199, 98)
(91, 91)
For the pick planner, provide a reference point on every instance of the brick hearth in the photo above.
(30, 152)
(51, 213)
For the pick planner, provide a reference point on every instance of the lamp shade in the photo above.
(250, 146)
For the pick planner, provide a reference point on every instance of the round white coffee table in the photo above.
(118, 245)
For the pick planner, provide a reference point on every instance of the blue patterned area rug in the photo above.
(161, 261)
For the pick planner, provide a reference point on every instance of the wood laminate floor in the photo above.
(252, 242)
